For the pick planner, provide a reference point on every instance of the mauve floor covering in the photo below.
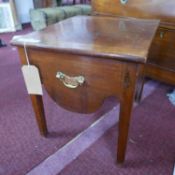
(151, 146)
(21, 146)
(151, 149)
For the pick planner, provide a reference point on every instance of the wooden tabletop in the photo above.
(144, 9)
(120, 38)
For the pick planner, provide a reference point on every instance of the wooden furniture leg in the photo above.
(139, 91)
(140, 85)
(125, 113)
(38, 107)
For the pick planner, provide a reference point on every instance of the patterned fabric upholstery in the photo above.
(41, 18)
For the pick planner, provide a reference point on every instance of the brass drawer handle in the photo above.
(70, 82)
(123, 1)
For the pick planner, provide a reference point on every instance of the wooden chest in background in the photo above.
(161, 60)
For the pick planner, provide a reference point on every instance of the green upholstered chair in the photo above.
(41, 18)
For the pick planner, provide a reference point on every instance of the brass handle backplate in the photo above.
(70, 82)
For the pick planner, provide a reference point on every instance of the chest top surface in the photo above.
(120, 38)
(146, 9)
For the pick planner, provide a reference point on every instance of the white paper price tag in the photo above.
(32, 79)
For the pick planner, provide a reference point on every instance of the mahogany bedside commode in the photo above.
(84, 60)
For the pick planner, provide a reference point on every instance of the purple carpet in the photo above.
(151, 146)
(150, 150)
(21, 146)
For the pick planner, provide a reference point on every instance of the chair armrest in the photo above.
(41, 18)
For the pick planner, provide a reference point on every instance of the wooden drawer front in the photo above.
(155, 9)
(162, 51)
(102, 79)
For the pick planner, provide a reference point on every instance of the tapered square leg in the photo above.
(140, 84)
(126, 103)
(38, 107)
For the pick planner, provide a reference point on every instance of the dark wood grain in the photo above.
(100, 36)
(162, 51)
(161, 60)
(140, 83)
(102, 79)
(161, 74)
(127, 94)
(152, 9)
(37, 102)
(108, 52)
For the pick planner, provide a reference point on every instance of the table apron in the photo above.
(103, 77)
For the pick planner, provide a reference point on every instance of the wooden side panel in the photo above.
(162, 51)
(152, 9)
(103, 78)
(160, 73)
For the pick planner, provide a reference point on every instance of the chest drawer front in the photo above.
(162, 51)
(152, 9)
(102, 79)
